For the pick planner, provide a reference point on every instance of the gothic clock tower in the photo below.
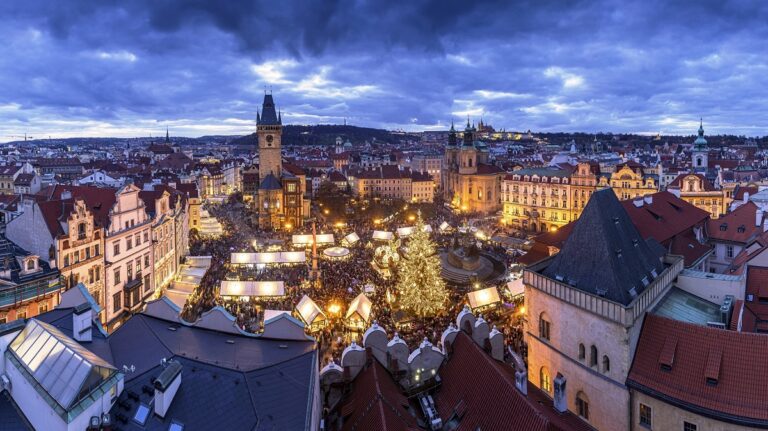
(269, 129)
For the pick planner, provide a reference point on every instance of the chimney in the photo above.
(560, 400)
(81, 323)
(758, 217)
(648, 199)
(765, 226)
(746, 197)
(166, 385)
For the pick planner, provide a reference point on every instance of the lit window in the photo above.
(545, 382)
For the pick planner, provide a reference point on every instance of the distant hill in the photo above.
(324, 135)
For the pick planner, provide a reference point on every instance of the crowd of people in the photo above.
(340, 281)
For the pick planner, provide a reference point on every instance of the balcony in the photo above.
(10, 296)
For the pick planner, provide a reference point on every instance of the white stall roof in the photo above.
(361, 306)
(309, 311)
(336, 251)
(252, 288)
(59, 364)
(383, 235)
(352, 238)
(269, 257)
(444, 226)
(516, 287)
(483, 297)
(324, 238)
(404, 232)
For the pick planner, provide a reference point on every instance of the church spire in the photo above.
(167, 136)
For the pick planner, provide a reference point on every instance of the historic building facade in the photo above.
(629, 180)
(470, 182)
(698, 191)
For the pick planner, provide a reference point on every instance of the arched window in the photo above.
(582, 352)
(544, 326)
(592, 355)
(606, 364)
(545, 382)
(81, 231)
(30, 265)
(582, 405)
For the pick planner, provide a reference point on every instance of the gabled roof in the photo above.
(605, 254)
(100, 200)
(706, 185)
(709, 371)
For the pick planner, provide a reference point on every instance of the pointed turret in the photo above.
(268, 112)
(452, 136)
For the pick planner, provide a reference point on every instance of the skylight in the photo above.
(67, 371)
(142, 413)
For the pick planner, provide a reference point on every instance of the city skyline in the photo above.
(81, 70)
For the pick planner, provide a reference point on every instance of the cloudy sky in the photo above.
(131, 68)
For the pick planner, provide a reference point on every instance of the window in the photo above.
(645, 416)
(592, 355)
(582, 352)
(96, 250)
(21, 315)
(687, 426)
(544, 327)
(137, 239)
(43, 308)
(129, 272)
(582, 405)
(97, 272)
(141, 415)
(606, 364)
(146, 236)
(90, 275)
(729, 251)
(117, 276)
(117, 302)
(30, 265)
(146, 261)
(545, 383)
(146, 284)
(81, 231)
(128, 243)
(116, 248)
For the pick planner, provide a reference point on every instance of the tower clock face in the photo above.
(270, 138)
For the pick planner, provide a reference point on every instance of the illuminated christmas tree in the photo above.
(421, 289)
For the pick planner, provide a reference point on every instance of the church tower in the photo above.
(700, 153)
(269, 129)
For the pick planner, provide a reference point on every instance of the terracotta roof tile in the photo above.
(736, 360)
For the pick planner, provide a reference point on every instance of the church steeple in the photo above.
(452, 136)
(167, 136)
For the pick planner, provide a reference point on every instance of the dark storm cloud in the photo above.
(109, 67)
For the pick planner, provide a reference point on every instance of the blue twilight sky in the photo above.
(131, 68)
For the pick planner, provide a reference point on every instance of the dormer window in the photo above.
(31, 264)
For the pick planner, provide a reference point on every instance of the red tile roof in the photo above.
(737, 226)
(485, 390)
(99, 200)
(734, 363)
(376, 403)
(663, 218)
(487, 169)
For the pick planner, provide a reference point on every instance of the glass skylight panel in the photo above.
(141, 415)
(60, 365)
(176, 426)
